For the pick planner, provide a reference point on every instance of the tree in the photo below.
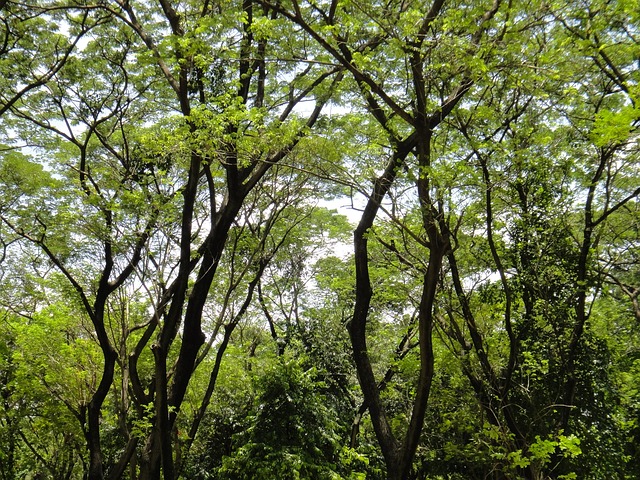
(409, 107)
(293, 433)
(208, 63)
(162, 176)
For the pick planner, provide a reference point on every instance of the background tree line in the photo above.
(180, 299)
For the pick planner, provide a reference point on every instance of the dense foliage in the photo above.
(319, 239)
